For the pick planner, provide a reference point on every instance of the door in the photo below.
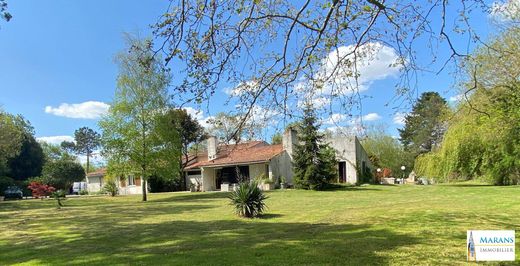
(342, 170)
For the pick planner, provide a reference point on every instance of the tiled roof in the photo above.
(234, 154)
(99, 172)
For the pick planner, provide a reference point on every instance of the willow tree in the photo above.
(482, 137)
(132, 139)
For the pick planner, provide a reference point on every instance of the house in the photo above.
(126, 186)
(228, 164)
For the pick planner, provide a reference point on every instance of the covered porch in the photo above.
(224, 177)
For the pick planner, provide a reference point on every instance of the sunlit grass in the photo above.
(402, 225)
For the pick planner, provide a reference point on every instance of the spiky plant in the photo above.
(248, 200)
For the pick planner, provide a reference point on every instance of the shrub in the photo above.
(40, 190)
(63, 173)
(83, 192)
(5, 182)
(58, 196)
(248, 200)
(110, 188)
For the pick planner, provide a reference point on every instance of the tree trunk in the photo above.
(88, 161)
(144, 185)
(143, 182)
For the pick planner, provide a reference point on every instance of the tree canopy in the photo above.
(132, 140)
(314, 162)
(276, 53)
(424, 126)
(86, 142)
(482, 141)
(386, 152)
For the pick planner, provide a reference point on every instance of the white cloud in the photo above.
(353, 130)
(347, 69)
(456, 98)
(56, 140)
(95, 159)
(371, 117)
(85, 110)
(505, 10)
(199, 116)
(399, 118)
(244, 87)
(335, 119)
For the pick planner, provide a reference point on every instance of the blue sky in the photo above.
(60, 53)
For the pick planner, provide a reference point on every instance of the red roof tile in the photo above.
(99, 172)
(234, 154)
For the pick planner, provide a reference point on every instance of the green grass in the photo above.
(369, 225)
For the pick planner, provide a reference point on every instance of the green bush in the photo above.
(110, 188)
(58, 196)
(248, 200)
(4, 183)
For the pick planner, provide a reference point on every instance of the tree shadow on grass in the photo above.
(196, 196)
(237, 241)
(468, 185)
(267, 216)
(342, 187)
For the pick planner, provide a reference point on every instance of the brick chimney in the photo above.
(288, 140)
(212, 148)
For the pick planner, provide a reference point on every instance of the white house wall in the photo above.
(129, 190)
(94, 184)
(281, 165)
(256, 170)
(208, 179)
(346, 150)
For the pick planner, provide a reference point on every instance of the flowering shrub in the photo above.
(40, 190)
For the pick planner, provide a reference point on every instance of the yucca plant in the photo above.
(248, 200)
(110, 188)
(58, 196)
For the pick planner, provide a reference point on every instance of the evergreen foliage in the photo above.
(314, 161)
(424, 127)
(86, 141)
(482, 139)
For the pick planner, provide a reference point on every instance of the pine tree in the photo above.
(314, 161)
(423, 128)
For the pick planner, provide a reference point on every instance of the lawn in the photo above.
(369, 225)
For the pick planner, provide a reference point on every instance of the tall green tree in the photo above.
(188, 132)
(424, 127)
(12, 130)
(385, 151)
(277, 138)
(62, 173)
(130, 135)
(482, 138)
(314, 162)
(170, 142)
(86, 142)
(29, 162)
(52, 152)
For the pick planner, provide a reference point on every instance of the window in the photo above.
(131, 181)
(194, 173)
